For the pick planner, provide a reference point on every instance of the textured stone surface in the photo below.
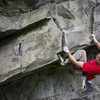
(74, 17)
(98, 1)
(38, 47)
(96, 25)
(49, 83)
(35, 26)
(19, 6)
(10, 25)
(34, 48)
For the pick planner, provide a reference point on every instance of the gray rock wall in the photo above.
(52, 82)
(46, 84)
(30, 51)
(37, 35)
(30, 37)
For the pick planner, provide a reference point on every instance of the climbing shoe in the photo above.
(88, 85)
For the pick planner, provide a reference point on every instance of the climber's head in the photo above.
(98, 59)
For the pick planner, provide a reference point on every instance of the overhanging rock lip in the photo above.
(25, 70)
(30, 68)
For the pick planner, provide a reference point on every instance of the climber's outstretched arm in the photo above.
(98, 45)
(93, 37)
(73, 60)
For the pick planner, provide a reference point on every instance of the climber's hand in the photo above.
(93, 37)
(66, 49)
(66, 61)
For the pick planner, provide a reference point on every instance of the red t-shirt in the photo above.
(91, 69)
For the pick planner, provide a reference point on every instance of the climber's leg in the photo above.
(80, 55)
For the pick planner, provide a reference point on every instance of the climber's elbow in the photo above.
(80, 64)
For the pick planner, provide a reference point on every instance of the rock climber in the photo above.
(90, 68)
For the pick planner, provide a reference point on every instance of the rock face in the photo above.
(37, 48)
(50, 83)
(31, 36)
(11, 25)
(96, 27)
